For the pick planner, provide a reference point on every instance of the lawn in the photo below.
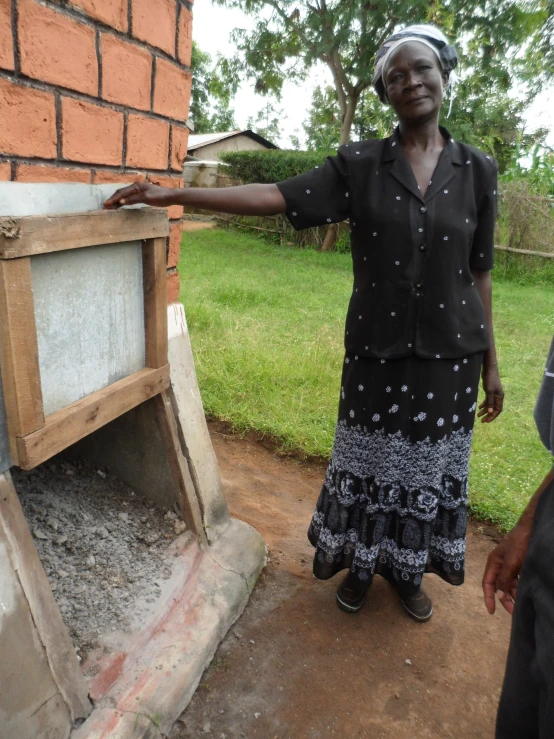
(267, 328)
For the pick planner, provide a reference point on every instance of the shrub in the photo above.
(267, 167)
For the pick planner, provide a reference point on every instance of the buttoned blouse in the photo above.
(413, 255)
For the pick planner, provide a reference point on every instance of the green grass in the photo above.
(267, 332)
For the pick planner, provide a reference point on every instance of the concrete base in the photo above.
(158, 678)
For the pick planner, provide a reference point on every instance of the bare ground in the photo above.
(295, 667)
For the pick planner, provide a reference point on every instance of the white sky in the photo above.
(212, 27)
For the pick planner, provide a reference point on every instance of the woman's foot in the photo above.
(419, 605)
(351, 593)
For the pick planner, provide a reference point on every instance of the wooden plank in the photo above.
(69, 425)
(30, 235)
(19, 351)
(184, 486)
(52, 632)
(155, 301)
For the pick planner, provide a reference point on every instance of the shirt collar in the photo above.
(393, 143)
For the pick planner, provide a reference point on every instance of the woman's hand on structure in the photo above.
(141, 192)
(492, 406)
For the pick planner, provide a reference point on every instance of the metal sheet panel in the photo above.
(89, 308)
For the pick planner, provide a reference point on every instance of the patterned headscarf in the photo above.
(428, 35)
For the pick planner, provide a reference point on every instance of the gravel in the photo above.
(103, 548)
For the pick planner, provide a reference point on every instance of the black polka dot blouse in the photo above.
(413, 256)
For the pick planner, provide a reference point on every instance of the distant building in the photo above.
(208, 146)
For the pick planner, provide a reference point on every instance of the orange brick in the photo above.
(171, 90)
(147, 142)
(174, 211)
(5, 171)
(111, 12)
(172, 287)
(6, 40)
(180, 139)
(46, 173)
(175, 236)
(155, 21)
(126, 73)
(57, 49)
(185, 36)
(27, 121)
(91, 133)
(102, 177)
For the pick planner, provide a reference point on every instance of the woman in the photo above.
(418, 331)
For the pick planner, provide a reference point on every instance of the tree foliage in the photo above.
(500, 42)
(211, 95)
(267, 122)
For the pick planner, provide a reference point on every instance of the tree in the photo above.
(267, 123)
(322, 127)
(504, 40)
(501, 42)
(211, 94)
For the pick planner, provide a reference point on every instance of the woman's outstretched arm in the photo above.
(245, 200)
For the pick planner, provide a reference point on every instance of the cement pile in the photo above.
(103, 548)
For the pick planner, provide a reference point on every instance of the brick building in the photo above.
(96, 91)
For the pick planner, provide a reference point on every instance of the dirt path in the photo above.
(295, 667)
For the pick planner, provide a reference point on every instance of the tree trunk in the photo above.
(330, 238)
(348, 119)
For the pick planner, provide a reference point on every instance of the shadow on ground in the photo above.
(295, 667)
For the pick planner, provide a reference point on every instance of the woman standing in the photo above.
(419, 330)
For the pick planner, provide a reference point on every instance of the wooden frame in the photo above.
(35, 437)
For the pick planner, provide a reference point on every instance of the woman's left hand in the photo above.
(491, 407)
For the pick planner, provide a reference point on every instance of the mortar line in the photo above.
(15, 37)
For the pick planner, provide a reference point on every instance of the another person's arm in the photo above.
(246, 200)
(491, 407)
(505, 561)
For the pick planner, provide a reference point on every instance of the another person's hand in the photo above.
(140, 192)
(502, 569)
(491, 407)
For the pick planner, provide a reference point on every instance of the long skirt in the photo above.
(394, 501)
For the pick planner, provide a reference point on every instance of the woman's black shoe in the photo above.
(419, 605)
(351, 593)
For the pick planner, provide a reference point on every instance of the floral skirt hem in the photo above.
(394, 501)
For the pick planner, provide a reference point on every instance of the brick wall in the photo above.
(96, 91)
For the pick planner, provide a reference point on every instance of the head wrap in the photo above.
(428, 35)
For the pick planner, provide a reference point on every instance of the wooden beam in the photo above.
(19, 351)
(184, 486)
(155, 301)
(52, 632)
(69, 425)
(30, 235)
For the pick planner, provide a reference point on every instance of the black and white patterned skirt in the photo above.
(394, 501)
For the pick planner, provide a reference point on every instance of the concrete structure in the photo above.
(96, 91)
(157, 669)
(208, 146)
(202, 174)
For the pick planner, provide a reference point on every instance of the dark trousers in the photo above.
(526, 709)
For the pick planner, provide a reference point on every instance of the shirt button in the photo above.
(423, 209)
(423, 247)
(419, 285)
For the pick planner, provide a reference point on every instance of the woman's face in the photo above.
(414, 82)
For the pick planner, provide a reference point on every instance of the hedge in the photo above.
(267, 167)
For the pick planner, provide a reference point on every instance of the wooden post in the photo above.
(155, 302)
(19, 351)
(184, 486)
